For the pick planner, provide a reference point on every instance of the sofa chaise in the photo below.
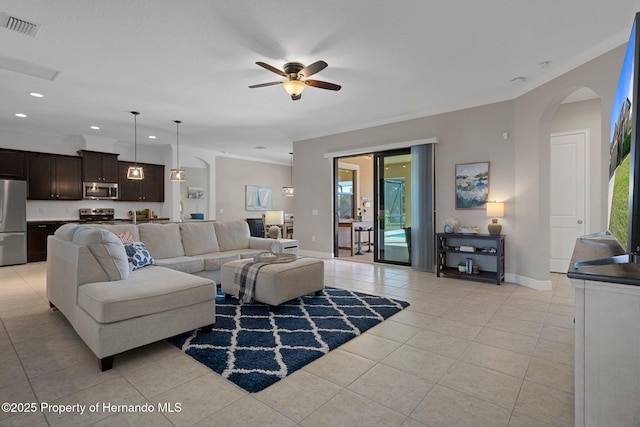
(114, 309)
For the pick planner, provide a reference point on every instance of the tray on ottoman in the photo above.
(279, 282)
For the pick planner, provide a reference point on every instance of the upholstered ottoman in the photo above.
(279, 282)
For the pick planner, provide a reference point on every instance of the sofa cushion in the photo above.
(107, 249)
(214, 261)
(198, 238)
(126, 237)
(162, 240)
(120, 229)
(138, 255)
(232, 235)
(182, 263)
(146, 291)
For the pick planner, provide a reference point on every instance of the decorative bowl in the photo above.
(469, 230)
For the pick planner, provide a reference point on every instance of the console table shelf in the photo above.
(485, 246)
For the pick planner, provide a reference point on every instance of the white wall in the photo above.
(233, 175)
(519, 165)
(471, 135)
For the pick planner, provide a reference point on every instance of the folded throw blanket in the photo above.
(244, 280)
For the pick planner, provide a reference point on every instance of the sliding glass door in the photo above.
(392, 232)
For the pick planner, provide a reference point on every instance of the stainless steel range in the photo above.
(97, 214)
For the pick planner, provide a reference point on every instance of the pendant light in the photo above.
(177, 175)
(288, 191)
(135, 172)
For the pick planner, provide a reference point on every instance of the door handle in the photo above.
(579, 221)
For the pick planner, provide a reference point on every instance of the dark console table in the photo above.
(448, 248)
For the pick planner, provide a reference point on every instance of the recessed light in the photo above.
(260, 147)
(22, 115)
(36, 95)
(152, 137)
(95, 127)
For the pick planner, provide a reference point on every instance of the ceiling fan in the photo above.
(297, 77)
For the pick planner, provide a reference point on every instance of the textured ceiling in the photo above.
(193, 60)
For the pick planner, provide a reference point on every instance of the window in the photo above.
(346, 193)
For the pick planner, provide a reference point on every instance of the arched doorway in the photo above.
(574, 168)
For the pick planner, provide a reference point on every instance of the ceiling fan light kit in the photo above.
(296, 75)
(294, 87)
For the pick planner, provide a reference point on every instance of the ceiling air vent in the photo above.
(18, 25)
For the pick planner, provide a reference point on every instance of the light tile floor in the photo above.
(463, 354)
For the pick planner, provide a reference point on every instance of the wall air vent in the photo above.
(18, 25)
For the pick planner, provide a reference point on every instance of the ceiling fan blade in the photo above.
(265, 84)
(323, 85)
(310, 70)
(272, 69)
(296, 97)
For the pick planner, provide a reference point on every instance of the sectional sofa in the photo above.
(114, 308)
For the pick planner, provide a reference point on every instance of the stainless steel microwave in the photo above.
(100, 190)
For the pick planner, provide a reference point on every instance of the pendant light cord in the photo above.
(135, 137)
(177, 122)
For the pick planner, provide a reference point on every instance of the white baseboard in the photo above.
(314, 254)
(538, 285)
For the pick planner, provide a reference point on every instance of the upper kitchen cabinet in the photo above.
(13, 164)
(150, 189)
(54, 177)
(99, 167)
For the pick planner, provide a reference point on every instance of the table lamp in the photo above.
(495, 210)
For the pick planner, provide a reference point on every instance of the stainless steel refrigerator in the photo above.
(13, 222)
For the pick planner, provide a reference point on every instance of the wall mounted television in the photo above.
(624, 161)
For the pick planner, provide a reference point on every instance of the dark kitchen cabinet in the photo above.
(37, 233)
(54, 177)
(99, 167)
(150, 189)
(13, 164)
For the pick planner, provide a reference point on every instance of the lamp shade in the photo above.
(274, 217)
(135, 172)
(294, 87)
(287, 191)
(177, 175)
(495, 209)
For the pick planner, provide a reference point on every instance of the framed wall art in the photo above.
(195, 193)
(472, 185)
(258, 198)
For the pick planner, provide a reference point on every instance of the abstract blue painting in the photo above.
(472, 185)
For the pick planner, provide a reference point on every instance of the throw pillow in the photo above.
(138, 255)
(125, 236)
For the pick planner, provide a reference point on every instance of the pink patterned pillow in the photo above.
(125, 236)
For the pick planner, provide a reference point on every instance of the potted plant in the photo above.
(361, 212)
(462, 267)
(449, 224)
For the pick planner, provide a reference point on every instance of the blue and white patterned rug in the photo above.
(254, 347)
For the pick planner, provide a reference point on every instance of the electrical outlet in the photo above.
(313, 238)
(314, 212)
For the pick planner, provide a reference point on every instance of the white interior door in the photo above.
(568, 195)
